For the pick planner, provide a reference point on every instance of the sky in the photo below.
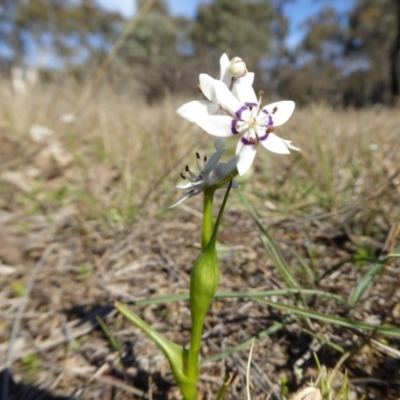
(297, 11)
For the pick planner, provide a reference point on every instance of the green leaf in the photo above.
(176, 355)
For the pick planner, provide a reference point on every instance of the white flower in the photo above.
(231, 73)
(244, 116)
(210, 174)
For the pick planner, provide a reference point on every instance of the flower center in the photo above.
(253, 123)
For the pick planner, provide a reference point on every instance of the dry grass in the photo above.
(91, 225)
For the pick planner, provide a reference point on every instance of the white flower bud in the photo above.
(237, 67)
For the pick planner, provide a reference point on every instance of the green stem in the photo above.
(207, 218)
(224, 387)
(198, 317)
(203, 281)
(194, 349)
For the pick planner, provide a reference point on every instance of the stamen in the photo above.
(183, 176)
(193, 175)
(270, 129)
(274, 110)
(261, 93)
(205, 159)
(198, 163)
(199, 88)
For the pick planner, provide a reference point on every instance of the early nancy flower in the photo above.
(244, 116)
(210, 174)
(231, 72)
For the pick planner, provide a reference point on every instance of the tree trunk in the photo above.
(395, 58)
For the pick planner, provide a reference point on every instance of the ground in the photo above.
(84, 224)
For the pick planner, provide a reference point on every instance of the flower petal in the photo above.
(217, 125)
(207, 87)
(274, 143)
(284, 110)
(179, 201)
(219, 143)
(197, 109)
(246, 153)
(189, 185)
(225, 98)
(289, 145)
(224, 64)
(222, 170)
(247, 79)
(244, 91)
(212, 162)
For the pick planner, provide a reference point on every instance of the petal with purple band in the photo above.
(269, 118)
(216, 125)
(238, 113)
(264, 137)
(246, 154)
(246, 141)
(284, 109)
(275, 144)
(233, 126)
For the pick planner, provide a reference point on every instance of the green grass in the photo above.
(322, 224)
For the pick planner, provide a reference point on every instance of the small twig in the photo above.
(113, 382)
(248, 371)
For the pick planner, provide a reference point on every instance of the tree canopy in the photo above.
(350, 58)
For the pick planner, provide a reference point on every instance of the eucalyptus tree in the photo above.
(250, 29)
(67, 31)
(375, 40)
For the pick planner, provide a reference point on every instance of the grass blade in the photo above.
(345, 322)
(364, 284)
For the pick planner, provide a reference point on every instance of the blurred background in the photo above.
(343, 52)
(91, 149)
